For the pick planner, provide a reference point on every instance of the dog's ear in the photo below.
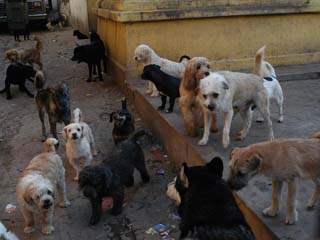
(189, 81)
(225, 85)
(183, 175)
(216, 166)
(254, 162)
(65, 133)
(233, 152)
(111, 116)
(27, 196)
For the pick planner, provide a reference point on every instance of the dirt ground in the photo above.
(20, 129)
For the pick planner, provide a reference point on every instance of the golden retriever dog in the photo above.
(284, 160)
(196, 69)
(31, 55)
(37, 186)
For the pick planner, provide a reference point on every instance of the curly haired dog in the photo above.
(196, 69)
(270, 82)
(206, 205)
(109, 177)
(146, 55)
(37, 186)
(31, 55)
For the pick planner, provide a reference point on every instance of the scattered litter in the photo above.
(54, 40)
(10, 208)
(156, 153)
(151, 231)
(89, 94)
(163, 230)
(107, 203)
(165, 156)
(175, 217)
(160, 172)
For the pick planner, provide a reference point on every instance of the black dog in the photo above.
(25, 32)
(167, 85)
(56, 102)
(206, 205)
(90, 54)
(109, 177)
(79, 35)
(95, 39)
(123, 123)
(17, 74)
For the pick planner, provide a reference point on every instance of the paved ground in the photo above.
(146, 205)
(301, 119)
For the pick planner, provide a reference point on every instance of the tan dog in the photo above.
(196, 69)
(282, 160)
(31, 55)
(36, 188)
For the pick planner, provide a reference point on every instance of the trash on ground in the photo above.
(163, 230)
(10, 208)
(175, 217)
(107, 203)
(160, 171)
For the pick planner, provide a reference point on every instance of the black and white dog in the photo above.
(167, 85)
(206, 205)
(123, 123)
(17, 74)
(58, 21)
(110, 177)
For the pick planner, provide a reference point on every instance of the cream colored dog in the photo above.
(282, 160)
(78, 118)
(146, 55)
(36, 188)
(78, 147)
(228, 92)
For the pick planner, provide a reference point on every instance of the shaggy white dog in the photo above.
(78, 118)
(78, 147)
(270, 82)
(36, 188)
(146, 55)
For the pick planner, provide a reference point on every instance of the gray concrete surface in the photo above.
(20, 129)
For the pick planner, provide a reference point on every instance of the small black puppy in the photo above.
(17, 74)
(109, 178)
(25, 32)
(123, 123)
(91, 55)
(206, 205)
(166, 84)
(95, 39)
(79, 35)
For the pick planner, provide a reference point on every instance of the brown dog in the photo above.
(31, 55)
(282, 160)
(196, 69)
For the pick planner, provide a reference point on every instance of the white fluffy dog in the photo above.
(5, 234)
(37, 186)
(227, 92)
(146, 55)
(270, 82)
(78, 147)
(78, 118)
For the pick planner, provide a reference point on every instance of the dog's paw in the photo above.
(240, 136)
(260, 120)
(280, 120)
(47, 229)
(155, 94)
(89, 80)
(29, 229)
(148, 91)
(225, 142)
(203, 142)
(169, 110)
(76, 178)
(161, 108)
(270, 212)
(310, 206)
(290, 220)
(64, 204)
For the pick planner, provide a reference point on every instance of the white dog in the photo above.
(227, 92)
(36, 188)
(78, 118)
(146, 55)
(5, 234)
(270, 82)
(78, 147)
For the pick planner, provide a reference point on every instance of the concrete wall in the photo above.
(82, 16)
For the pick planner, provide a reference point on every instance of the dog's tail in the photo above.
(258, 61)
(124, 103)
(316, 135)
(50, 144)
(39, 80)
(77, 115)
(39, 45)
(6, 234)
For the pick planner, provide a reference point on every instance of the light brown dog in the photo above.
(31, 55)
(196, 69)
(282, 160)
(36, 188)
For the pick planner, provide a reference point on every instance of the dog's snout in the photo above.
(136, 58)
(211, 107)
(74, 135)
(47, 204)
(207, 73)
